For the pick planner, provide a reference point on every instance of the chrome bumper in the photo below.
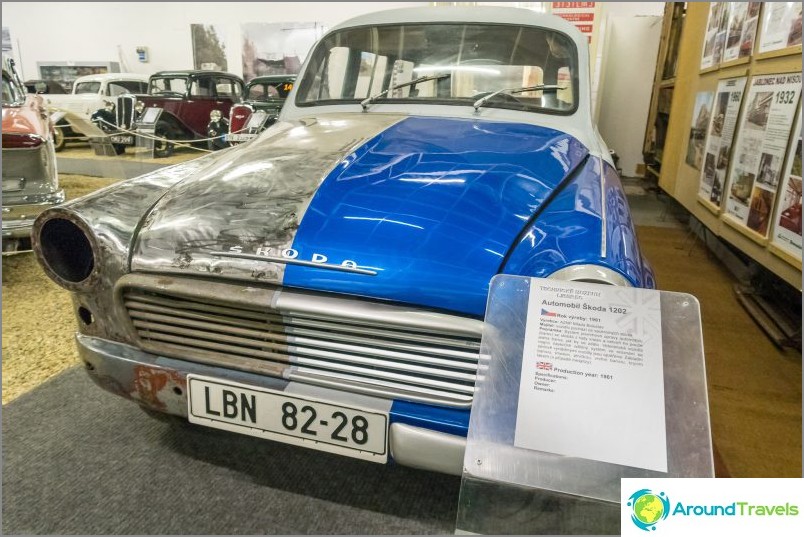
(18, 218)
(160, 383)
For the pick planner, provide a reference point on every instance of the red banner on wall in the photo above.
(581, 14)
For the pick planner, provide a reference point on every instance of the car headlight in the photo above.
(139, 106)
(591, 274)
(66, 249)
(109, 106)
(215, 115)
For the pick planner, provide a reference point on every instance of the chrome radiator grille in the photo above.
(337, 342)
(125, 111)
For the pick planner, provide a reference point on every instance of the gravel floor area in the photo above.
(38, 323)
(181, 154)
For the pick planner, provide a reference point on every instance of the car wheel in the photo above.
(58, 139)
(162, 148)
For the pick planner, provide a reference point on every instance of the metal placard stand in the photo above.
(145, 129)
(102, 146)
(511, 490)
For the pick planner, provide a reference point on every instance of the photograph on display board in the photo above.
(209, 49)
(700, 122)
(716, 33)
(277, 48)
(759, 212)
(742, 187)
(781, 26)
(742, 28)
(790, 216)
(7, 47)
(769, 170)
(726, 108)
(760, 149)
(787, 223)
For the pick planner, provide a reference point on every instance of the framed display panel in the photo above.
(719, 138)
(65, 73)
(759, 152)
(741, 31)
(786, 237)
(682, 182)
(781, 28)
(716, 29)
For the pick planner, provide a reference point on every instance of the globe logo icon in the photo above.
(648, 508)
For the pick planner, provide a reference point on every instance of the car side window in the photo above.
(203, 87)
(126, 86)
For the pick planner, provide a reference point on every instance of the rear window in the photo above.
(87, 87)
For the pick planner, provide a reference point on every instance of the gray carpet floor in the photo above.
(77, 460)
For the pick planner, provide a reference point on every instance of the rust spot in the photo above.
(183, 260)
(150, 382)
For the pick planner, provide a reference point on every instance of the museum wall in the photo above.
(622, 121)
(112, 31)
(625, 33)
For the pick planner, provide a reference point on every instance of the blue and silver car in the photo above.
(324, 284)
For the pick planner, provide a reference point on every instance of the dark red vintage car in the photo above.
(189, 101)
(262, 102)
(30, 182)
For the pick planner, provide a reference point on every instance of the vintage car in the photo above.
(190, 104)
(44, 87)
(89, 93)
(325, 284)
(263, 100)
(30, 182)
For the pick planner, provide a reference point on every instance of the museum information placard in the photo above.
(787, 223)
(759, 152)
(718, 141)
(592, 383)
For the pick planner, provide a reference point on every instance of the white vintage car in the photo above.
(89, 94)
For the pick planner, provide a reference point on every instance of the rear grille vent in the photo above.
(432, 359)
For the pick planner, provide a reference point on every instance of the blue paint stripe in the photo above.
(433, 205)
(446, 420)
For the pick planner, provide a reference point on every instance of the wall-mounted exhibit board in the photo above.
(743, 180)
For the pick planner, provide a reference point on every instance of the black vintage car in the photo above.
(191, 104)
(264, 97)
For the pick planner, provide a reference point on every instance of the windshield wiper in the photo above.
(368, 100)
(541, 87)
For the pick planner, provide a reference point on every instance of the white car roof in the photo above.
(112, 76)
(478, 14)
(580, 124)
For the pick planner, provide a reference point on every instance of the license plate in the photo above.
(302, 421)
(12, 185)
(241, 137)
(125, 139)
